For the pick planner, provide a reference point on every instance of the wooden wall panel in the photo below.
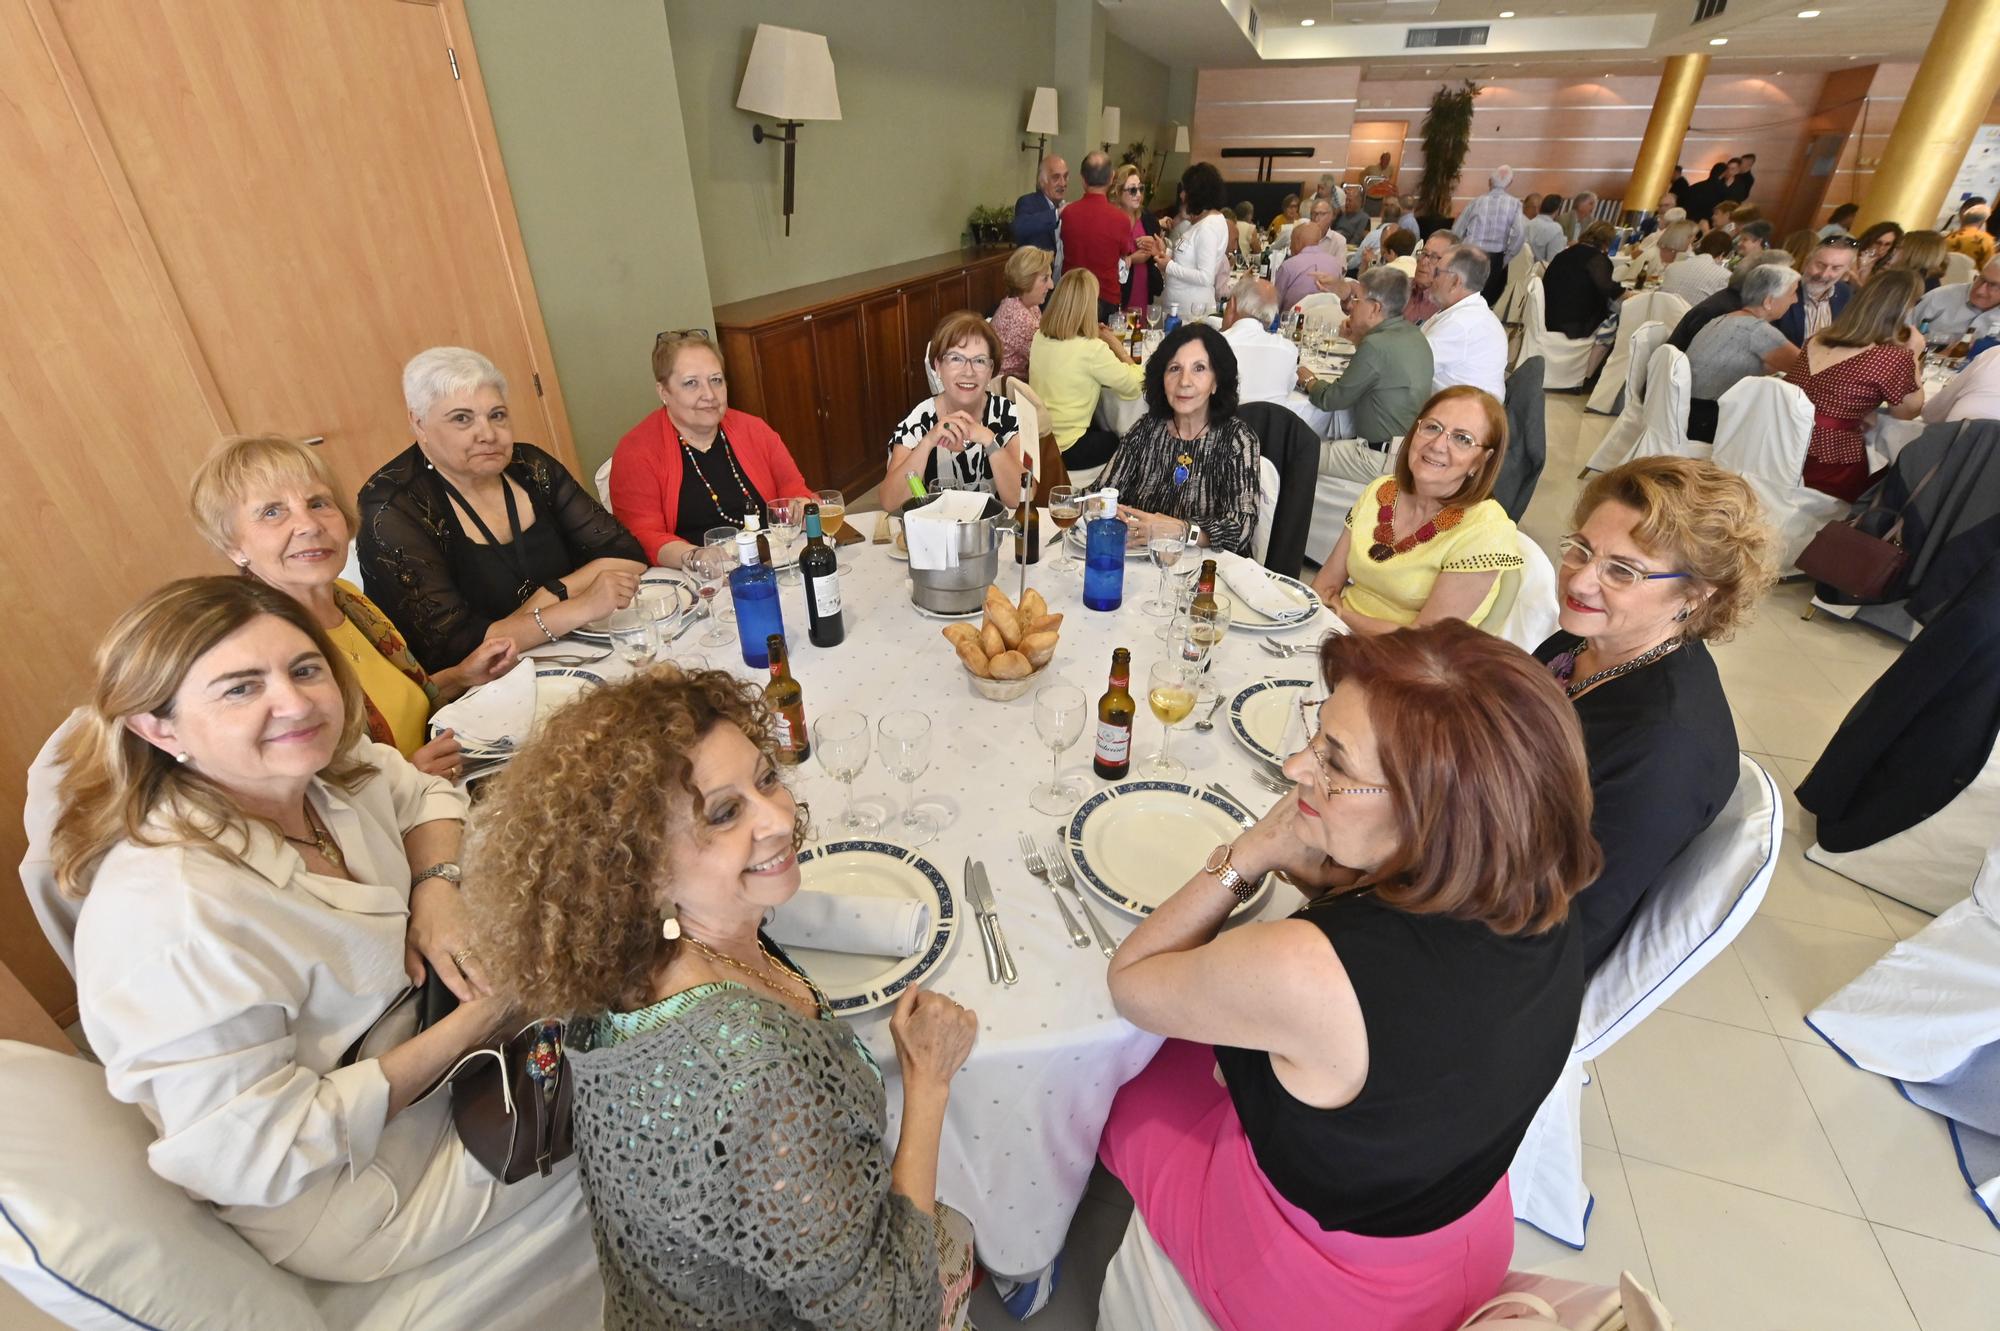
(1306, 106)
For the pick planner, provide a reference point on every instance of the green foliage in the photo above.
(1447, 134)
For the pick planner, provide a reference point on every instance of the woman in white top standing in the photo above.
(1194, 269)
(260, 883)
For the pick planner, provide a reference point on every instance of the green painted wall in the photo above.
(589, 119)
(1136, 84)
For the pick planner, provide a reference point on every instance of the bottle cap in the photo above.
(746, 548)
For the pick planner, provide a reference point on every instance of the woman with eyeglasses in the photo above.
(1128, 191)
(1669, 554)
(1427, 542)
(1331, 1119)
(963, 437)
(695, 463)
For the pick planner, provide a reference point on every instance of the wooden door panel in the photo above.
(884, 352)
(954, 293)
(790, 381)
(850, 456)
(988, 284)
(311, 176)
(920, 316)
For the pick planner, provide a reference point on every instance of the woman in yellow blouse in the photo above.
(1071, 361)
(1426, 542)
(270, 505)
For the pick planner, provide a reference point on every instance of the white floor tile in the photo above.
(1763, 665)
(1825, 636)
(1951, 1288)
(1679, 1090)
(1898, 1157)
(1811, 894)
(1795, 967)
(1851, 679)
(1730, 1259)
(1786, 724)
(1721, 991)
(1595, 1117)
(1903, 920)
(1613, 1242)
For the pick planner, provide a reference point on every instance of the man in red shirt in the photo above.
(1097, 234)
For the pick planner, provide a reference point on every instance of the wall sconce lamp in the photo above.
(1041, 124)
(1110, 128)
(790, 76)
(1160, 164)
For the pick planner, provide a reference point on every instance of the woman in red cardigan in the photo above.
(695, 464)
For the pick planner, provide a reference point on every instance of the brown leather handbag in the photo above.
(510, 1100)
(1866, 568)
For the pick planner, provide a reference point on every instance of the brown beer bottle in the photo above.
(787, 702)
(1112, 759)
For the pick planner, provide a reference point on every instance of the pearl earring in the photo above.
(670, 928)
(180, 758)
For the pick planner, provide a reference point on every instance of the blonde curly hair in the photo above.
(567, 850)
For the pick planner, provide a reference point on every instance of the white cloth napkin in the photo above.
(496, 715)
(931, 532)
(836, 922)
(1249, 583)
(1295, 735)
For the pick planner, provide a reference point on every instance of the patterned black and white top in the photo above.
(969, 470)
(1216, 487)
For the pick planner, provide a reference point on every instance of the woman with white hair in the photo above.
(467, 535)
(1741, 344)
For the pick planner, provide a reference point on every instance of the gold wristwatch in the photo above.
(1218, 864)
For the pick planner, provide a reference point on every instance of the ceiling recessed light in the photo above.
(1307, 22)
(1718, 41)
(1808, 13)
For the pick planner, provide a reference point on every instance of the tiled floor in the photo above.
(1742, 1169)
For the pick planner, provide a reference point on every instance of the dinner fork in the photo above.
(1275, 784)
(1284, 649)
(1031, 857)
(1060, 868)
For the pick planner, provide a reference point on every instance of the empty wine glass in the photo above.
(1207, 626)
(785, 518)
(842, 740)
(710, 565)
(1166, 538)
(1064, 510)
(903, 741)
(1184, 579)
(1060, 710)
(1170, 688)
(633, 636)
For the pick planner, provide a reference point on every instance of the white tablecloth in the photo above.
(1028, 1107)
(1889, 436)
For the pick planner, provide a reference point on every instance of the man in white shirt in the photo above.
(1962, 311)
(1266, 363)
(1468, 345)
(1700, 275)
(1544, 234)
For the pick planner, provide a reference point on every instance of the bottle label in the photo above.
(825, 595)
(1114, 743)
(788, 730)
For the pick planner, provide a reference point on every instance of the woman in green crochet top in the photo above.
(729, 1128)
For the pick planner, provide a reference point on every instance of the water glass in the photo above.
(633, 637)
(1166, 538)
(1170, 691)
(903, 741)
(841, 739)
(1060, 711)
(786, 520)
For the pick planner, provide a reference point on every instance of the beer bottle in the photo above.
(1115, 710)
(787, 702)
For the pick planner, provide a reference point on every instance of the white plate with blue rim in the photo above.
(1260, 712)
(1135, 843)
(557, 685)
(854, 983)
(1306, 606)
(681, 597)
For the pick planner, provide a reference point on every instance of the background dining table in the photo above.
(1028, 1106)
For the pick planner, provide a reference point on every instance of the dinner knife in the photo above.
(982, 898)
(979, 915)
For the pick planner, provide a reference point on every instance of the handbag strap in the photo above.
(1895, 532)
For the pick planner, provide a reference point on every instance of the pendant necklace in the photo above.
(1563, 665)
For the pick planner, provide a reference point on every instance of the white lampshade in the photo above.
(1111, 125)
(1042, 116)
(790, 76)
(1180, 138)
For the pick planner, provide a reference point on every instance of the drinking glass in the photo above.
(710, 565)
(832, 512)
(1064, 510)
(1207, 626)
(1166, 538)
(1170, 688)
(841, 739)
(1184, 579)
(633, 637)
(903, 741)
(1060, 710)
(786, 519)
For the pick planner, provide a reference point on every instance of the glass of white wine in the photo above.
(1166, 538)
(1170, 689)
(832, 512)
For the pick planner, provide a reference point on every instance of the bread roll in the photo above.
(1036, 642)
(990, 640)
(1001, 612)
(1033, 607)
(961, 633)
(975, 660)
(1010, 665)
(1039, 656)
(1046, 624)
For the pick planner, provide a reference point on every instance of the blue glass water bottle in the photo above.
(753, 590)
(1104, 558)
(1173, 318)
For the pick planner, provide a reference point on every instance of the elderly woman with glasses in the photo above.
(1426, 542)
(1669, 554)
(963, 437)
(467, 535)
(695, 463)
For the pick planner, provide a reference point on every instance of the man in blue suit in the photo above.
(1036, 212)
(1823, 290)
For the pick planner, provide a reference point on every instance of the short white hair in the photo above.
(1766, 281)
(1673, 215)
(442, 371)
(1254, 298)
(1502, 177)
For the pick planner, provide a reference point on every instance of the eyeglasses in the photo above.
(1614, 573)
(701, 333)
(1428, 430)
(1309, 709)
(1840, 242)
(954, 361)
(1132, 189)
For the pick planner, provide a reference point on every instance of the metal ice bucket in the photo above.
(961, 590)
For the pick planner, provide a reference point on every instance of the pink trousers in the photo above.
(1255, 1261)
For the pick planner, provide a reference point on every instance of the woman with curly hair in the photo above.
(729, 1128)
(1668, 555)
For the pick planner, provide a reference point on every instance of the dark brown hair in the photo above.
(963, 326)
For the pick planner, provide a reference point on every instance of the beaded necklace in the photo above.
(729, 454)
(1563, 665)
(1386, 545)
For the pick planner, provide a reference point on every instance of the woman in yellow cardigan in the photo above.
(1072, 360)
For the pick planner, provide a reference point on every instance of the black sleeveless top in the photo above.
(1467, 1033)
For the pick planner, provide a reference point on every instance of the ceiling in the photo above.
(1543, 38)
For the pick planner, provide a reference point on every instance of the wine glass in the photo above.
(1170, 688)
(841, 739)
(1166, 538)
(710, 565)
(1207, 626)
(832, 512)
(903, 741)
(1064, 510)
(1184, 579)
(633, 636)
(785, 518)
(1060, 710)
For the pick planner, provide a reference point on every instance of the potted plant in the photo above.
(1447, 134)
(989, 225)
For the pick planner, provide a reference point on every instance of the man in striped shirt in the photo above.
(1493, 222)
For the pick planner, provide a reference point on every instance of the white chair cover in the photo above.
(1524, 613)
(1958, 268)
(1520, 271)
(1634, 312)
(1333, 496)
(603, 483)
(1267, 507)
(1762, 427)
(1704, 898)
(1663, 428)
(1623, 436)
(55, 912)
(1930, 865)
(1566, 360)
(1320, 305)
(350, 572)
(1143, 1291)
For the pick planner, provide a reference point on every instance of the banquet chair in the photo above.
(1618, 442)
(1762, 427)
(55, 912)
(1520, 271)
(603, 482)
(1566, 359)
(1663, 421)
(1268, 487)
(1634, 312)
(1958, 268)
(1527, 439)
(1704, 898)
(1291, 447)
(1321, 305)
(930, 372)
(1524, 612)
(1931, 864)
(1333, 497)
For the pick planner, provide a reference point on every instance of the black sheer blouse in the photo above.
(1216, 486)
(443, 590)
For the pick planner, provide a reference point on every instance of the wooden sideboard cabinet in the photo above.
(835, 365)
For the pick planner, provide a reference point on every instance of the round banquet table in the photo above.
(1888, 437)
(1027, 1108)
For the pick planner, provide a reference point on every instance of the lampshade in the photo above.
(1180, 138)
(1111, 125)
(790, 76)
(1042, 116)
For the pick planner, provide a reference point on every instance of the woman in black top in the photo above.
(1668, 554)
(467, 535)
(1381, 1053)
(1578, 288)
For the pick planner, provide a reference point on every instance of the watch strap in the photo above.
(446, 869)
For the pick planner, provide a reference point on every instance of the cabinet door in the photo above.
(787, 371)
(988, 281)
(850, 449)
(920, 316)
(885, 353)
(953, 293)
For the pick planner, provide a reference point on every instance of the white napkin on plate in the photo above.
(496, 715)
(1249, 583)
(836, 922)
(932, 531)
(1295, 736)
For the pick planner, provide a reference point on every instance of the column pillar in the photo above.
(1666, 127)
(1954, 86)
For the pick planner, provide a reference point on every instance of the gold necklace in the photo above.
(322, 841)
(771, 963)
